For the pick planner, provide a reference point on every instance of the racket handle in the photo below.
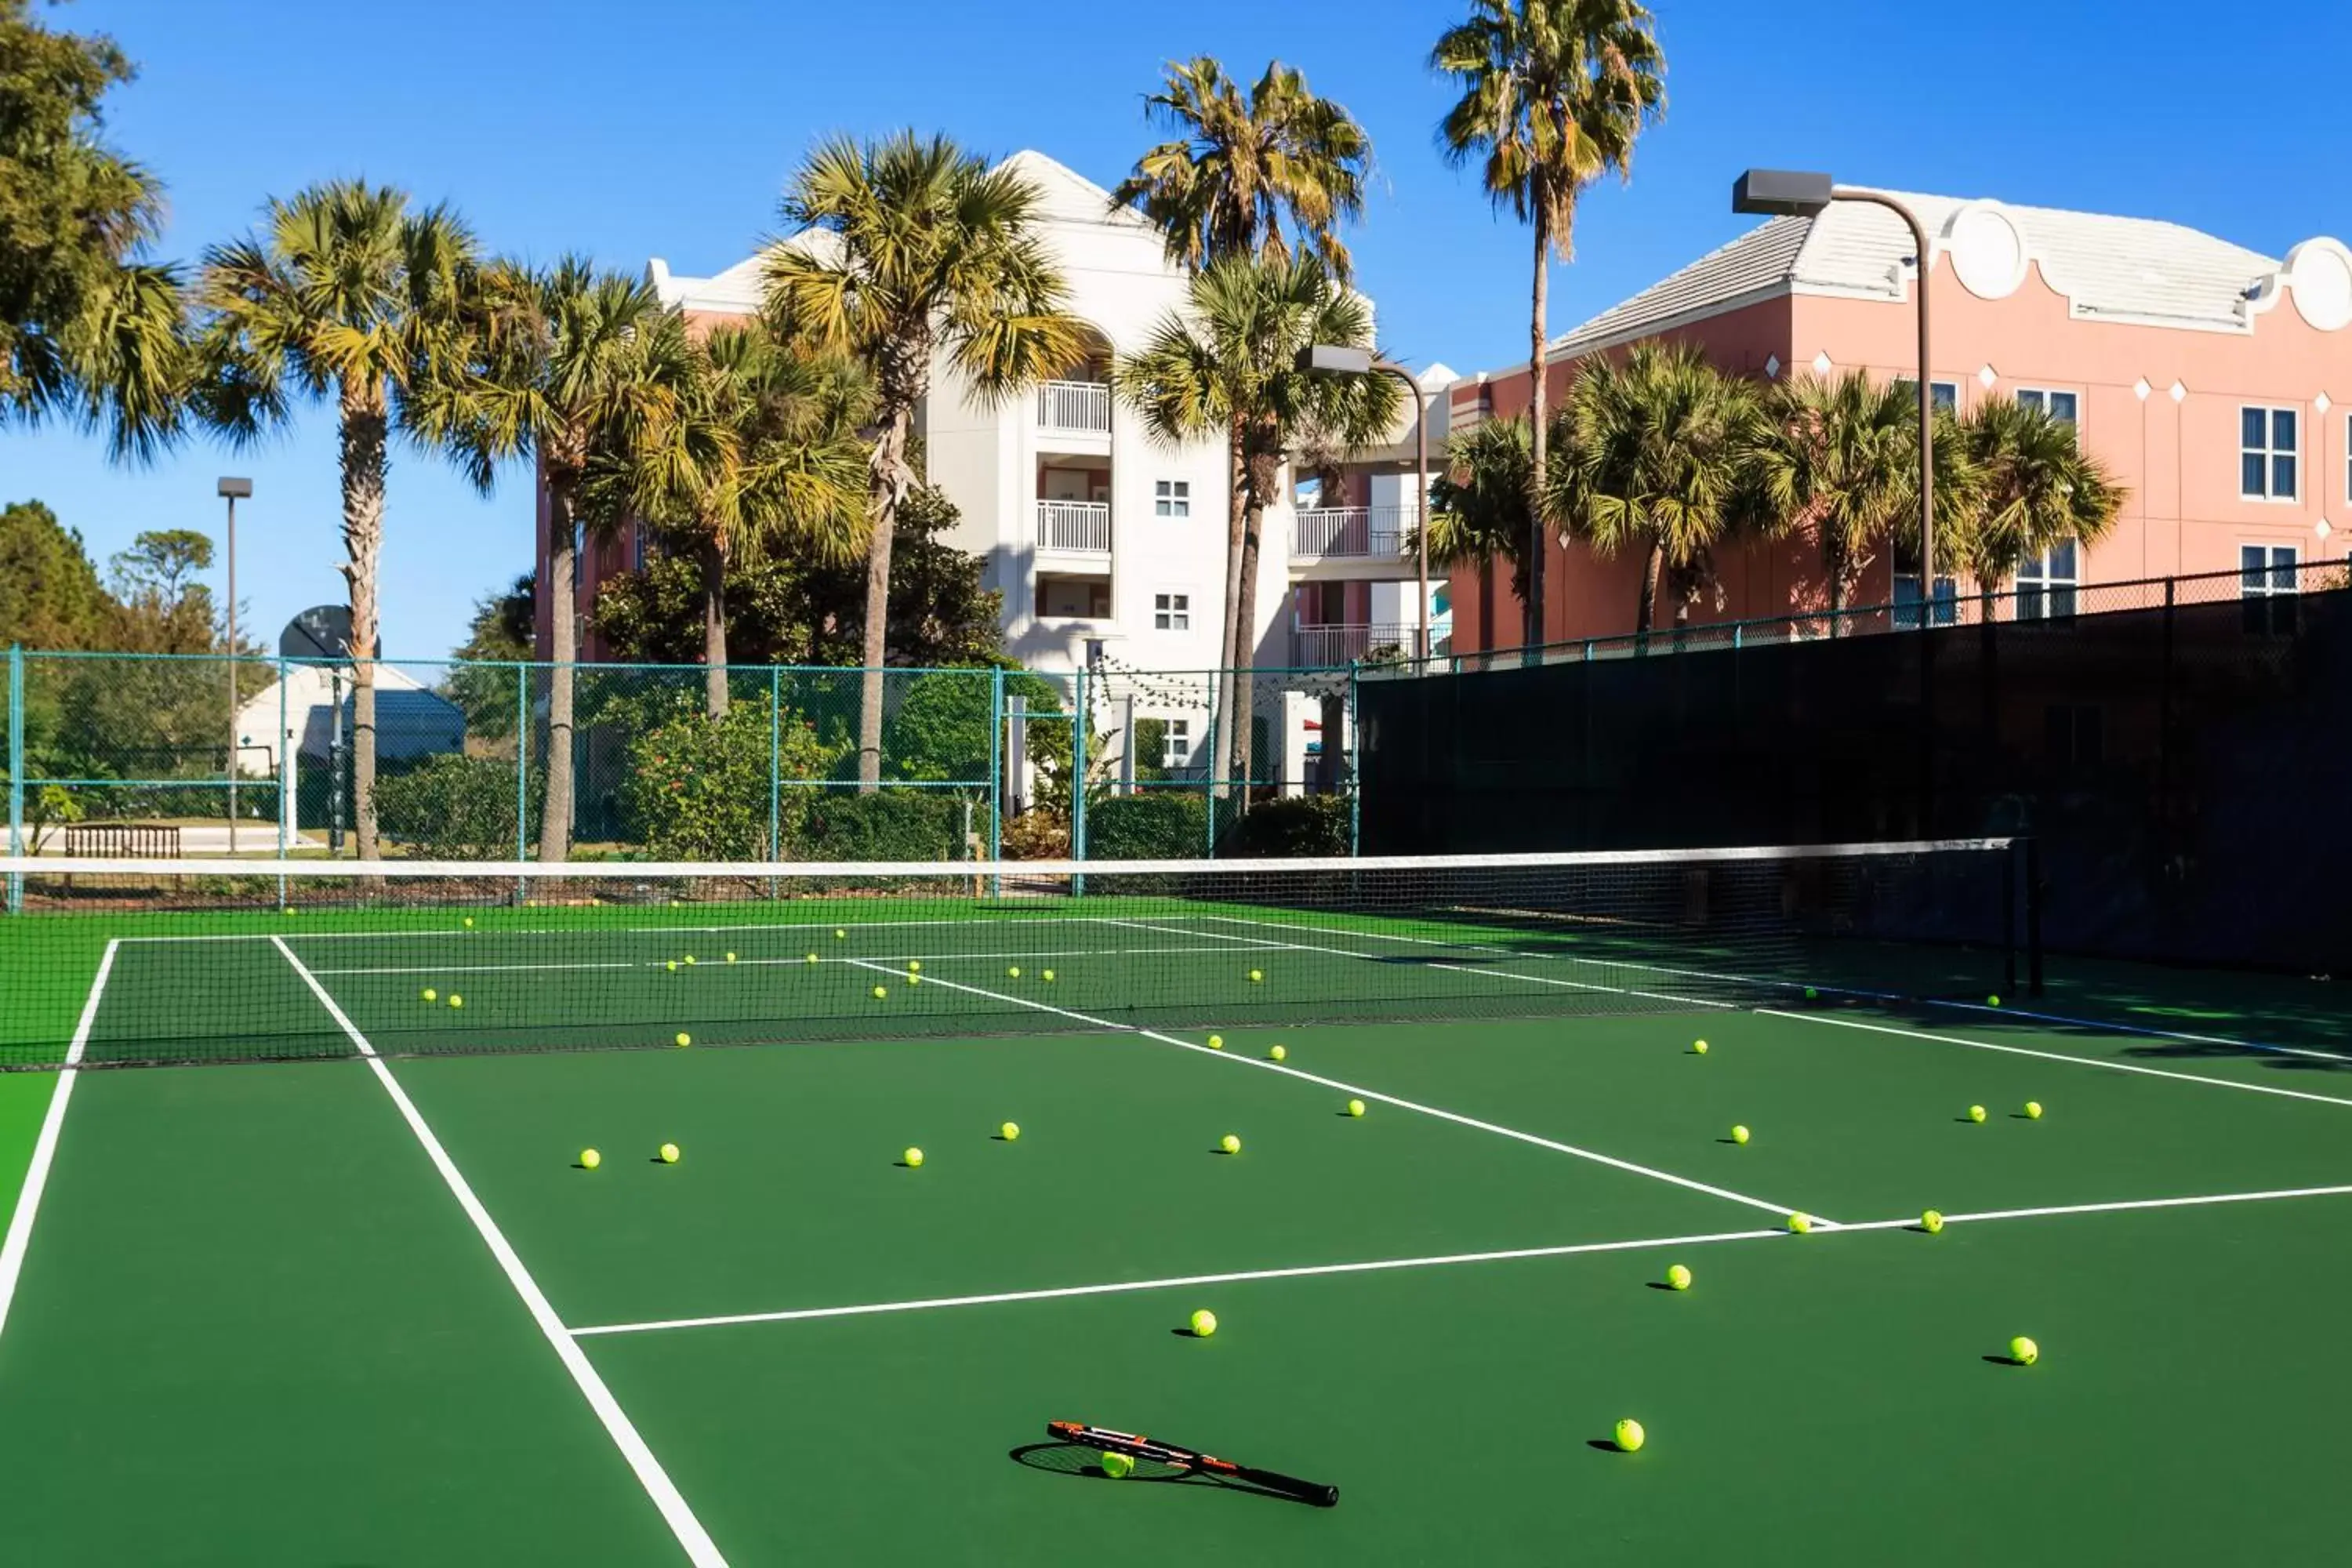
(1316, 1492)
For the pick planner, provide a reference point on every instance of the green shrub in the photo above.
(891, 825)
(452, 807)
(1305, 824)
(1150, 825)
(698, 789)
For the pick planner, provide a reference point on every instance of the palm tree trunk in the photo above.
(1236, 503)
(1261, 468)
(1532, 630)
(563, 594)
(886, 487)
(361, 435)
(714, 629)
(1841, 591)
(1646, 613)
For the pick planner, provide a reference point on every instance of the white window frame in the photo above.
(1952, 407)
(2039, 397)
(2267, 585)
(2041, 592)
(1173, 611)
(2271, 452)
(1175, 744)
(1171, 498)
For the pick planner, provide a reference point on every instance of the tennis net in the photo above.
(112, 961)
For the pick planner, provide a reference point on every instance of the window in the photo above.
(1171, 498)
(2059, 405)
(2045, 584)
(1945, 396)
(2266, 454)
(1172, 611)
(1906, 588)
(2266, 582)
(1176, 743)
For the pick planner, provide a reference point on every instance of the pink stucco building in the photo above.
(2215, 382)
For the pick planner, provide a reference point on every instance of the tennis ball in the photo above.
(1812, 994)
(469, 922)
(1698, 1048)
(430, 995)
(914, 980)
(683, 1039)
(1010, 1132)
(1678, 1277)
(912, 1159)
(671, 966)
(812, 957)
(914, 966)
(2024, 1350)
(1739, 1135)
(1355, 1108)
(1046, 975)
(1278, 1054)
(839, 934)
(1630, 1436)
(1992, 1001)
(456, 1000)
(1204, 1323)
(1013, 973)
(1257, 976)
(1799, 1223)
(1976, 1113)
(1932, 1221)
(880, 992)
(689, 958)
(289, 909)
(590, 1159)
(1216, 1042)
(669, 1154)
(731, 958)
(1231, 1143)
(2033, 1110)
(1117, 1466)
(673, 903)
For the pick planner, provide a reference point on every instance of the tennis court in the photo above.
(367, 1306)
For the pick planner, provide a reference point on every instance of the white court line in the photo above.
(802, 963)
(45, 1146)
(2098, 1062)
(700, 1549)
(1363, 1093)
(1438, 1260)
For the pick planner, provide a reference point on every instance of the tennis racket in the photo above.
(1137, 1447)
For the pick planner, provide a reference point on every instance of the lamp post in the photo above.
(1787, 193)
(1333, 359)
(232, 490)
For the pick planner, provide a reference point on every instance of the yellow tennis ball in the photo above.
(1932, 1221)
(1231, 1143)
(2024, 1350)
(1116, 1464)
(590, 1159)
(880, 992)
(469, 922)
(1257, 976)
(456, 1000)
(689, 958)
(1278, 1054)
(1976, 1113)
(914, 966)
(683, 1039)
(1698, 1048)
(1009, 1132)
(1204, 1323)
(839, 934)
(731, 958)
(1216, 1042)
(673, 903)
(1678, 1277)
(912, 1159)
(1355, 1108)
(289, 910)
(1013, 973)
(914, 980)
(670, 1153)
(1992, 1001)
(812, 957)
(1739, 1135)
(1630, 1436)
(1046, 975)
(671, 966)
(2033, 1110)
(1799, 1223)
(430, 995)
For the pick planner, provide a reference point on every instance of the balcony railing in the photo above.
(1315, 648)
(1082, 407)
(1361, 531)
(1074, 527)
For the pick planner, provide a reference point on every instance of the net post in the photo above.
(996, 772)
(16, 770)
(285, 780)
(2009, 918)
(2033, 891)
(775, 768)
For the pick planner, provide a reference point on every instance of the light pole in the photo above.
(1787, 193)
(1333, 359)
(232, 491)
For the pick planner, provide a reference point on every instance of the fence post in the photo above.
(16, 770)
(1209, 792)
(522, 761)
(775, 762)
(1355, 779)
(2164, 740)
(996, 776)
(1078, 727)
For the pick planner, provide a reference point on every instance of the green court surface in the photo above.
(360, 1310)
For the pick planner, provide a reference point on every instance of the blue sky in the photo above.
(667, 129)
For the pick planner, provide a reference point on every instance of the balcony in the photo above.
(1074, 527)
(1352, 532)
(1075, 407)
(1318, 648)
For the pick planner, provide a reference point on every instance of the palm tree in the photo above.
(1229, 362)
(763, 451)
(1554, 93)
(1478, 505)
(2036, 488)
(1658, 447)
(921, 250)
(1241, 163)
(564, 362)
(347, 294)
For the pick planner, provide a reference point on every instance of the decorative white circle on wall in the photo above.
(2319, 274)
(1986, 244)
